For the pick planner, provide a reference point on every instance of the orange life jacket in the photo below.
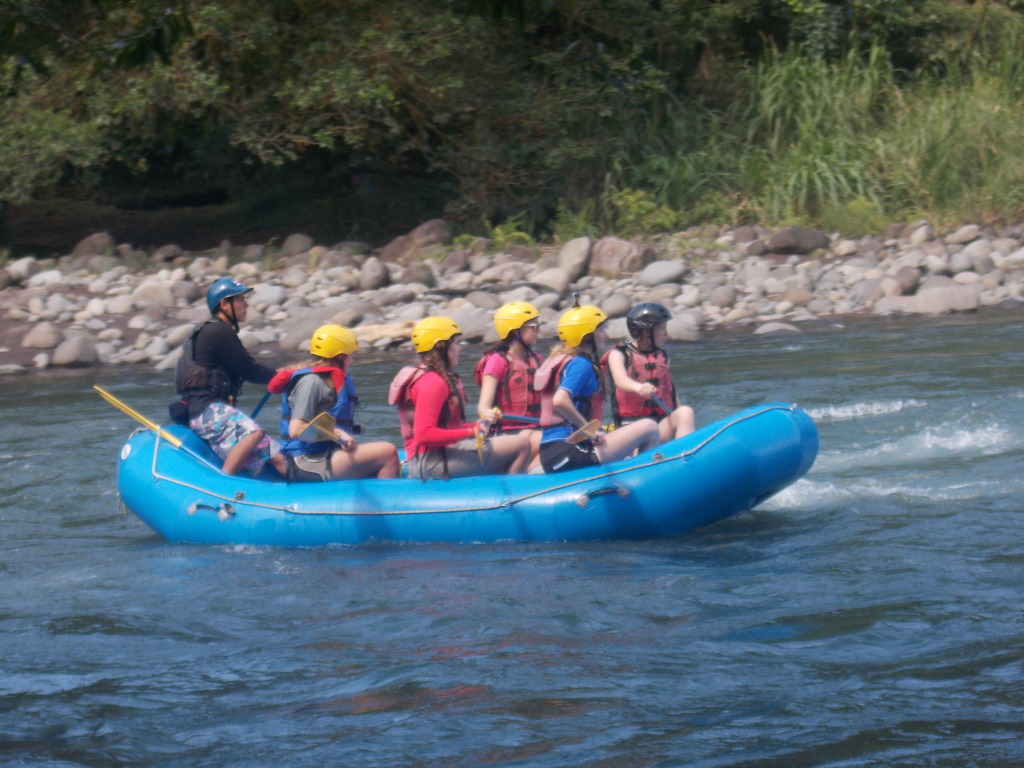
(646, 367)
(515, 393)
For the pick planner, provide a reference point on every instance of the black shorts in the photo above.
(560, 456)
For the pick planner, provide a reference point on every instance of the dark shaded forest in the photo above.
(358, 119)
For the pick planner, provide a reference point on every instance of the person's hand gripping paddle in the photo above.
(322, 427)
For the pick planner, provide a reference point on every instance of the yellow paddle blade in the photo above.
(480, 445)
(138, 417)
(586, 432)
(320, 428)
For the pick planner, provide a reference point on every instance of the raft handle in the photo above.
(224, 511)
(585, 498)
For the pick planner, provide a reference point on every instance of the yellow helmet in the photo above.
(578, 322)
(329, 341)
(511, 317)
(430, 330)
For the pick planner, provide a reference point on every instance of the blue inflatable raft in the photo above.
(724, 468)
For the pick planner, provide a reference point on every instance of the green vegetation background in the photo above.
(544, 118)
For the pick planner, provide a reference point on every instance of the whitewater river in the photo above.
(870, 615)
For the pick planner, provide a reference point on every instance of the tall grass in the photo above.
(816, 142)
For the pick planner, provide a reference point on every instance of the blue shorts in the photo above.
(222, 426)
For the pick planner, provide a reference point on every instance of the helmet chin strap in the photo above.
(233, 318)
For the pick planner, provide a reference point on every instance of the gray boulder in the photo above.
(615, 257)
(456, 261)
(165, 254)
(186, 290)
(908, 279)
(76, 351)
(353, 313)
(421, 272)
(45, 335)
(933, 282)
(296, 244)
(939, 301)
(373, 275)
(797, 240)
(483, 300)
(723, 296)
(46, 278)
(965, 234)
(21, 270)
(153, 292)
(658, 272)
(744, 234)
(94, 245)
(475, 322)
(574, 257)
(776, 328)
(557, 279)
(267, 296)
(616, 305)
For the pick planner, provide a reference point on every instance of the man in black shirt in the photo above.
(213, 365)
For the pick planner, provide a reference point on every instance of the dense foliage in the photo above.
(562, 115)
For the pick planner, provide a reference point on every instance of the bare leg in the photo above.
(679, 423)
(509, 454)
(240, 452)
(279, 463)
(366, 460)
(535, 435)
(641, 435)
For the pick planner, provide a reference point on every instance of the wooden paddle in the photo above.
(322, 428)
(138, 417)
(587, 432)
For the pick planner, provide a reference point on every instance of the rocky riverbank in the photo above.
(109, 304)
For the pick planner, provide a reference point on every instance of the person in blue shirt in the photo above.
(572, 395)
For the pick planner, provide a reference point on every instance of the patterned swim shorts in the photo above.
(222, 426)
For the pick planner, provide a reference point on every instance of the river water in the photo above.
(870, 615)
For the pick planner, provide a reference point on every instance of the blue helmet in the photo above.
(224, 288)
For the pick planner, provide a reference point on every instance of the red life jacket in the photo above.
(546, 382)
(646, 367)
(279, 383)
(515, 393)
(400, 395)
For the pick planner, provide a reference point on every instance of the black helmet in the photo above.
(646, 315)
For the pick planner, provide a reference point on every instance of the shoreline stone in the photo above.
(92, 308)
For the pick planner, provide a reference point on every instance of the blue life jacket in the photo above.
(343, 410)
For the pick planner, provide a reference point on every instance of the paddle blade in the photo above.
(586, 432)
(319, 429)
(138, 417)
(480, 446)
